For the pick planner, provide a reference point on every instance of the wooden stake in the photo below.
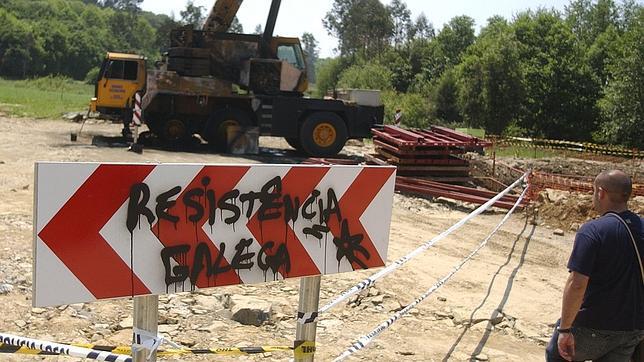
(309, 302)
(146, 317)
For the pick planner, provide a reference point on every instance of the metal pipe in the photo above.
(267, 37)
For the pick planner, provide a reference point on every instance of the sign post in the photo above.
(111, 230)
(309, 303)
(146, 318)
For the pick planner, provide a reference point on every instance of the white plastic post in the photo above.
(137, 116)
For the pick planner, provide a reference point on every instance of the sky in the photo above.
(300, 16)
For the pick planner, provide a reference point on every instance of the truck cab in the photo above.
(120, 77)
(289, 50)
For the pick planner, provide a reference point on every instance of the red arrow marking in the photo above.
(298, 182)
(73, 233)
(222, 180)
(353, 204)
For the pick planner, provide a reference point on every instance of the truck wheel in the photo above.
(173, 132)
(216, 130)
(294, 142)
(323, 134)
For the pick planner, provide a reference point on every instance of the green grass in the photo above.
(48, 97)
(525, 152)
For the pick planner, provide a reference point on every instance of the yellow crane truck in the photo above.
(121, 76)
(210, 80)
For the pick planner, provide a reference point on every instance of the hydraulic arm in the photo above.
(222, 15)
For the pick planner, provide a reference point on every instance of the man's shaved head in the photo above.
(616, 183)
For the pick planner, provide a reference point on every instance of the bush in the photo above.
(92, 75)
(328, 71)
(414, 107)
(366, 76)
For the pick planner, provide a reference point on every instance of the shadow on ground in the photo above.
(498, 311)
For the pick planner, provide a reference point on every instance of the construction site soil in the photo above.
(500, 307)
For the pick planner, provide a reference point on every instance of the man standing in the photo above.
(602, 316)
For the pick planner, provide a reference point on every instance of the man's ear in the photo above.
(601, 193)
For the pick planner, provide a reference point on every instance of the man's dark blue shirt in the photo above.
(604, 252)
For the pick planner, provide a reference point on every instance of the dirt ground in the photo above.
(500, 307)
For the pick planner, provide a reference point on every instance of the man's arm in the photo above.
(572, 298)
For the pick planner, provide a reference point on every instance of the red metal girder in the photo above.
(447, 150)
(442, 138)
(393, 140)
(420, 159)
(453, 134)
(461, 136)
(430, 191)
(424, 161)
(403, 133)
(428, 140)
(373, 159)
(457, 188)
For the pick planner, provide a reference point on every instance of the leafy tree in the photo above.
(455, 38)
(328, 73)
(623, 103)
(193, 14)
(258, 29)
(18, 47)
(397, 61)
(628, 11)
(371, 75)
(444, 98)
(415, 108)
(442, 52)
(588, 20)
(421, 29)
(236, 27)
(433, 63)
(600, 53)
(401, 17)
(312, 53)
(162, 34)
(134, 34)
(363, 27)
(490, 83)
(560, 92)
(126, 5)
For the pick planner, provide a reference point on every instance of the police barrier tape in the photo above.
(301, 349)
(65, 349)
(304, 318)
(367, 338)
(571, 146)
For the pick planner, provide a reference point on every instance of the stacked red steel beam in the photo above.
(468, 194)
(433, 152)
(424, 187)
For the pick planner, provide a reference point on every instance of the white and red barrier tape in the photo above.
(367, 338)
(304, 318)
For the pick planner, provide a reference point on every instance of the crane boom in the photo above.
(222, 15)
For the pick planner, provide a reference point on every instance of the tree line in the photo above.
(71, 37)
(576, 74)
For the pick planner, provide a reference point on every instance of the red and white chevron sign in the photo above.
(120, 230)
